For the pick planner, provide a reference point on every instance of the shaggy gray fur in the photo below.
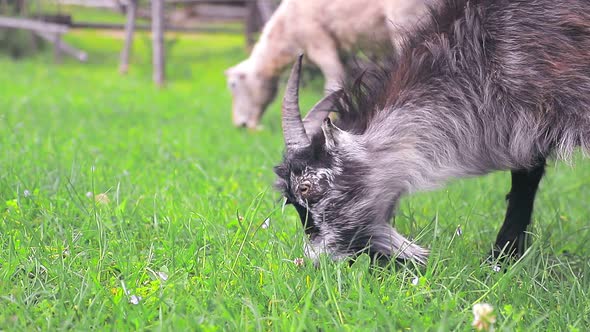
(485, 85)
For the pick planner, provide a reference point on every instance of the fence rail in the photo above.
(33, 25)
(146, 27)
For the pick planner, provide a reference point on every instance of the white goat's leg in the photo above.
(325, 55)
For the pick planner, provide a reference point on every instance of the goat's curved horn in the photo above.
(313, 120)
(293, 129)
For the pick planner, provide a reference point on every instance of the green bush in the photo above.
(19, 43)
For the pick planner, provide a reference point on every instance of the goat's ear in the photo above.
(331, 133)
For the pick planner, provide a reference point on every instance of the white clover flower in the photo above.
(483, 317)
(162, 275)
(102, 198)
(266, 223)
(134, 299)
(298, 261)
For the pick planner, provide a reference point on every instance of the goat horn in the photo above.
(313, 120)
(293, 129)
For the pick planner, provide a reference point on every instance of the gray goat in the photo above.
(483, 85)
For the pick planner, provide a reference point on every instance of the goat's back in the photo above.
(515, 73)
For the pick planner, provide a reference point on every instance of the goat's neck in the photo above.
(271, 55)
(409, 154)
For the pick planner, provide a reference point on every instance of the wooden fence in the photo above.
(51, 27)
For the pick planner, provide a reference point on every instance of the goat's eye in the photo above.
(304, 188)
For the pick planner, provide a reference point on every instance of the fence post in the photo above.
(57, 47)
(250, 23)
(266, 9)
(159, 63)
(129, 29)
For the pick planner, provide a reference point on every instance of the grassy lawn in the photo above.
(124, 207)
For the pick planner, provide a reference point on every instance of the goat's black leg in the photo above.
(511, 239)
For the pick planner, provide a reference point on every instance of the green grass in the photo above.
(177, 175)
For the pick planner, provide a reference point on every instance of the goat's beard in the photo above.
(386, 241)
(381, 241)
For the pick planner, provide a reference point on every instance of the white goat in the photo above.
(320, 29)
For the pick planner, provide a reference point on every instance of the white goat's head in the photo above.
(251, 93)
